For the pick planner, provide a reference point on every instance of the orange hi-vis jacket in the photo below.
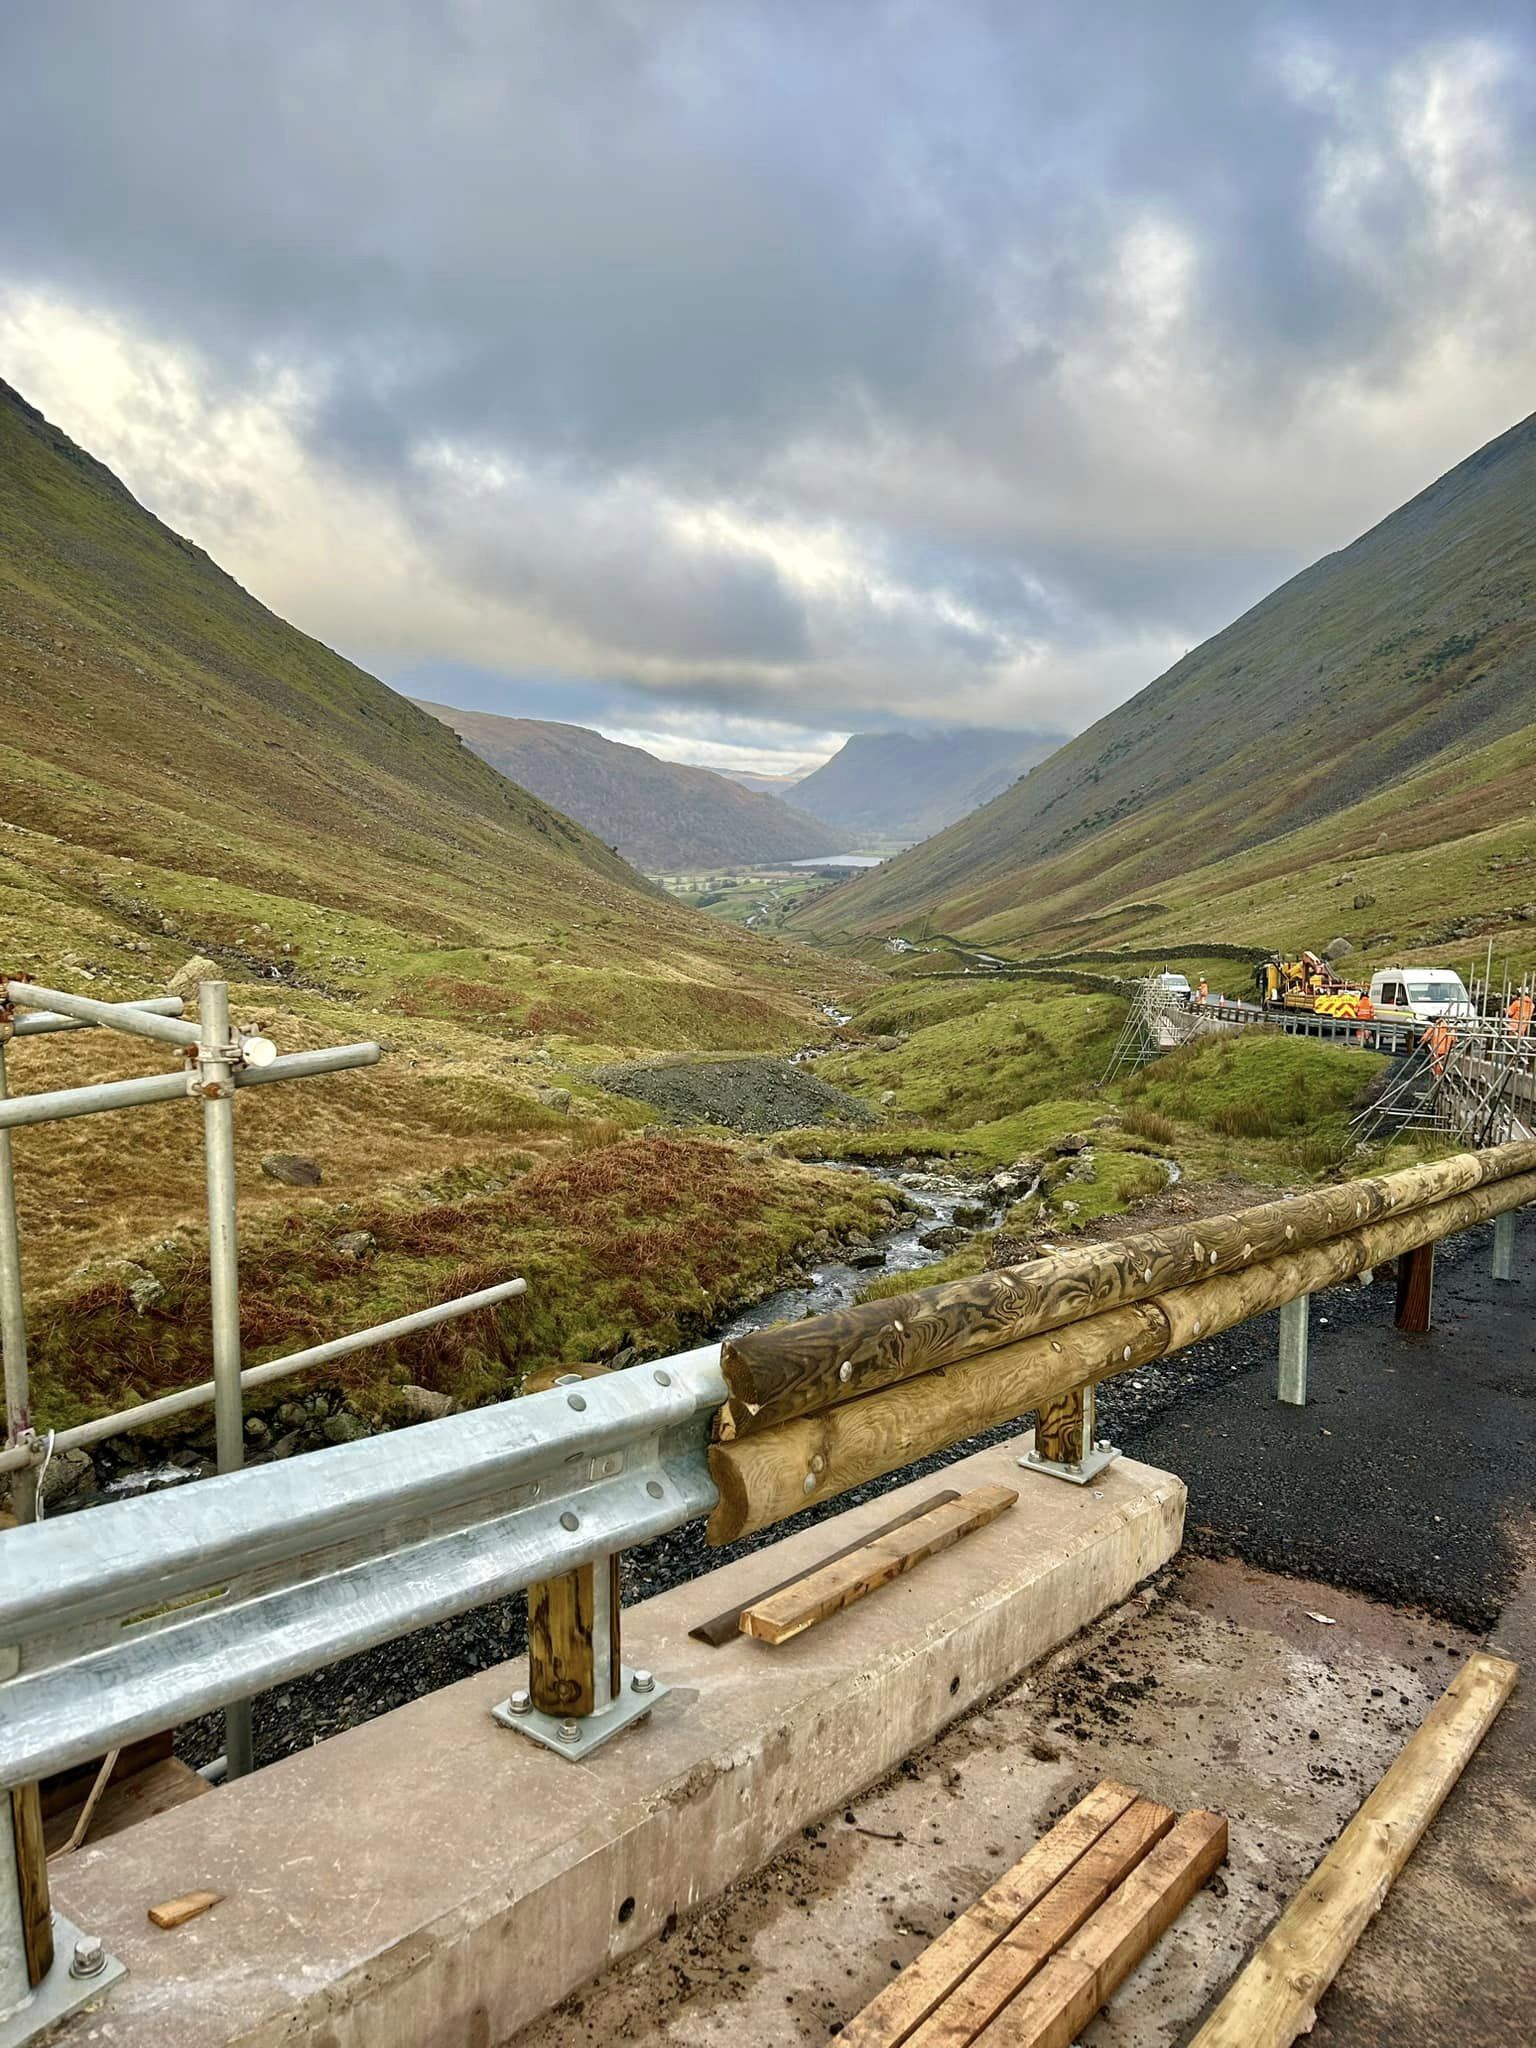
(1520, 1013)
(1439, 1039)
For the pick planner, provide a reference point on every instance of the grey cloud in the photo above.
(824, 261)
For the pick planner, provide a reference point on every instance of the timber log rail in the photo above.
(127, 1619)
(819, 1406)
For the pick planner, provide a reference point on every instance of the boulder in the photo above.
(425, 1403)
(1363, 901)
(1337, 948)
(344, 1428)
(69, 1476)
(291, 1168)
(555, 1098)
(191, 972)
(355, 1244)
(137, 1282)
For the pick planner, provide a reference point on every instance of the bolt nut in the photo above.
(643, 1681)
(568, 1732)
(521, 1701)
(90, 1957)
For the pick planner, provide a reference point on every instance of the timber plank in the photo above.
(842, 1581)
(1275, 1998)
(904, 2004)
(724, 1628)
(1058, 2002)
(990, 1987)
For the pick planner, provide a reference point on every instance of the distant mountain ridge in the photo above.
(905, 786)
(663, 816)
(1377, 708)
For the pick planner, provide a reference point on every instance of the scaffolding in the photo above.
(1471, 1081)
(1158, 1020)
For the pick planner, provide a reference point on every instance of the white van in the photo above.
(1419, 993)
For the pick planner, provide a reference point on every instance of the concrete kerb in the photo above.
(427, 1879)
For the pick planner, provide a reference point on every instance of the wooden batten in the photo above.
(1276, 1997)
(796, 1369)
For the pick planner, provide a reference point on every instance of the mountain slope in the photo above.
(184, 771)
(901, 786)
(661, 815)
(1378, 705)
(183, 774)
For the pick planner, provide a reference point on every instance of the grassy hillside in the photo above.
(185, 774)
(661, 815)
(1355, 756)
(891, 788)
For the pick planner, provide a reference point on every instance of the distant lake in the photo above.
(841, 860)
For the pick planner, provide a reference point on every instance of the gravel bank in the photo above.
(757, 1095)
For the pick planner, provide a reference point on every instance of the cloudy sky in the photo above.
(733, 374)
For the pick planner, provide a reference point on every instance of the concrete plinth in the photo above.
(430, 1880)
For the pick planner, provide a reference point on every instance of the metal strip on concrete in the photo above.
(427, 1880)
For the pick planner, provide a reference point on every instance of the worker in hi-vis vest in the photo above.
(1439, 1039)
(1520, 1013)
(1203, 991)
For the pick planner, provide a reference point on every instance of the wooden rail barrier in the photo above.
(799, 1368)
(976, 1371)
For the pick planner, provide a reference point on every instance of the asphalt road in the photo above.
(1409, 1473)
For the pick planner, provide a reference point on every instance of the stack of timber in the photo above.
(835, 1401)
(1036, 1956)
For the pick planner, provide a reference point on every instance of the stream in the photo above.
(835, 1282)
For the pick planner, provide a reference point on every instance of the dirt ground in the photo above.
(1219, 1687)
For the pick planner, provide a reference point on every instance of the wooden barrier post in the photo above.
(1066, 1446)
(578, 1692)
(1415, 1288)
(32, 1881)
(1064, 1427)
(573, 1641)
(1504, 1246)
(1293, 1350)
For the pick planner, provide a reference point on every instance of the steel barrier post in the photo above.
(1293, 1350)
(13, 1327)
(1504, 1246)
(216, 1083)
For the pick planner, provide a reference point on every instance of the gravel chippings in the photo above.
(1406, 1477)
(757, 1095)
